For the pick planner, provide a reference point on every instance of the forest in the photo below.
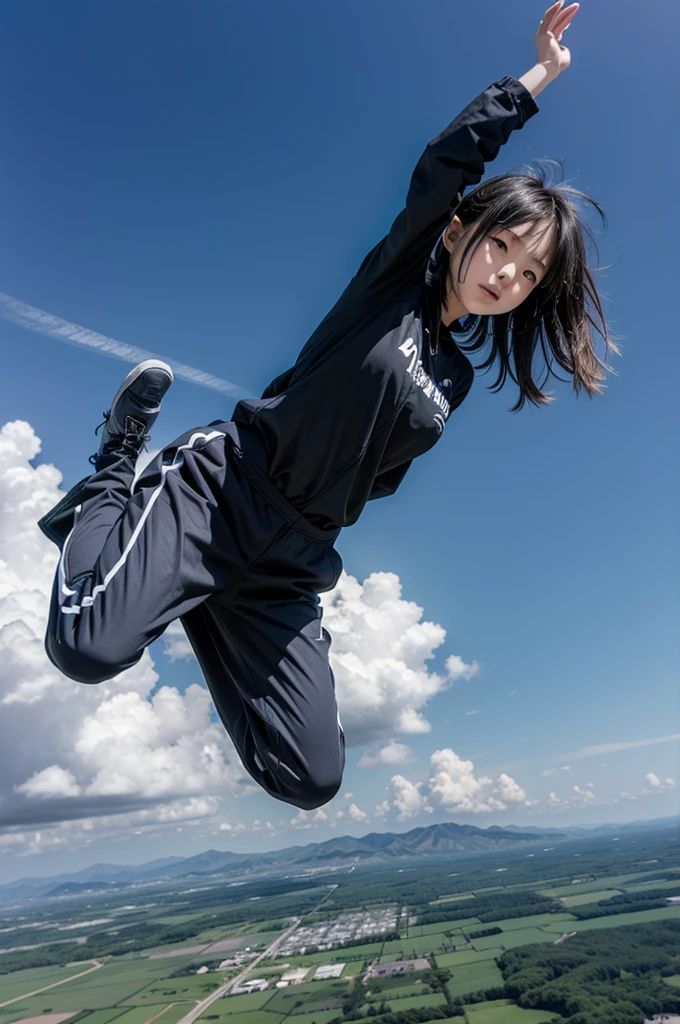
(612, 976)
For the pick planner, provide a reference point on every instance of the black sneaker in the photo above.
(133, 412)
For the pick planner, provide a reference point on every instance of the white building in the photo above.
(202, 970)
(295, 976)
(254, 985)
(327, 971)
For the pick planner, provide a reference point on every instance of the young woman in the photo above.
(232, 527)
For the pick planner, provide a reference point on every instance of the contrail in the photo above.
(54, 327)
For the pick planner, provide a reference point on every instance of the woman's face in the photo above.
(505, 267)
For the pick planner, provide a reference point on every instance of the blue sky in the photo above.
(201, 180)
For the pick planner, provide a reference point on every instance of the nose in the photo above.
(508, 272)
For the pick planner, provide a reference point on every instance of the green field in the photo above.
(384, 989)
(325, 994)
(178, 919)
(140, 1014)
(316, 1017)
(15, 984)
(591, 897)
(615, 920)
(452, 899)
(370, 951)
(608, 882)
(674, 981)
(443, 926)
(393, 946)
(352, 969)
(371, 1020)
(104, 1016)
(420, 946)
(502, 1011)
(412, 1002)
(466, 956)
(474, 978)
(110, 985)
(509, 924)
(641, 886)
(215, 934)
(516, 937)
(241, 1004)
(251, 1017)
(171, 990)
(172, 1014)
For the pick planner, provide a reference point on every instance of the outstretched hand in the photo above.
(556, 21)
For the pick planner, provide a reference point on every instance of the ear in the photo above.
(453, 233)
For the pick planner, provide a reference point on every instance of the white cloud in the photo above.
(510, 792)
(407, 799)
(73, 833)
(393, 753)
(176, 644)
(457, 669)
(475, 712)
(308, 819)
(456, 787)
(379, 657)
(356, 813)
(51, 781)
(581, 798)
(656, 785)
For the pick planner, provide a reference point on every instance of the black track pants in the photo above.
(204, 536)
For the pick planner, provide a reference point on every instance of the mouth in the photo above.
(489, 293)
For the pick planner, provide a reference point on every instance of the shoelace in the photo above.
(130, 443)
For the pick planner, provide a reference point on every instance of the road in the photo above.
(271, 949)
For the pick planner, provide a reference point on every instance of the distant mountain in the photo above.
(532, 830)
(376, 847)
(75, 888)
(107, 873)
(445, 837)
(434, 840)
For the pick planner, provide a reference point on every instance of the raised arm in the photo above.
(553, 58)
(455, 160)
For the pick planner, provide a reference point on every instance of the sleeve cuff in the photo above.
(524, 101)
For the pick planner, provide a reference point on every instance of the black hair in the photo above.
(557, 317)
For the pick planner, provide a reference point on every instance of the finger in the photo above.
(567, 14)
(550, 13)
(561, 27)
(564, 20)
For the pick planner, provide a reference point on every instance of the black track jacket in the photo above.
(365, 396)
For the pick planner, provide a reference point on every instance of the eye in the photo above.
(533, 277)
(501, 244)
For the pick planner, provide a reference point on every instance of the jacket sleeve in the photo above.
(452, 162)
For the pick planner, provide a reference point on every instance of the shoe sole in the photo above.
(148, 364)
